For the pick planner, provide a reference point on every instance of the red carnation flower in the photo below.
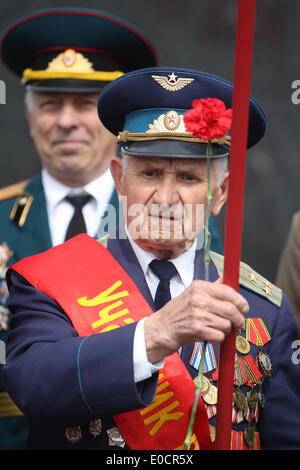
(208, 119)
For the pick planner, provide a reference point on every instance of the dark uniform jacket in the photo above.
(62, 381)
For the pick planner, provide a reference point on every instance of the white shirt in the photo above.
(60, 211)
(182, 263)
(143, 369)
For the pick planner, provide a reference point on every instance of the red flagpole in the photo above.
(234, 212)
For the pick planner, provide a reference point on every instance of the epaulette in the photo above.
(251, 280)
(12, 190)
(103, 239)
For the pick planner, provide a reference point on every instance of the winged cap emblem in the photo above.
(172, 82)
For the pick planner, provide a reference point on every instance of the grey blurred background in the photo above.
(200, 34)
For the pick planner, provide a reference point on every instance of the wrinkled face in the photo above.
(165, 199)
(68, 135)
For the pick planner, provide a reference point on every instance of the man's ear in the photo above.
(116, 171)
(220, 196)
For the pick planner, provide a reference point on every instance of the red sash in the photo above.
(82, 275)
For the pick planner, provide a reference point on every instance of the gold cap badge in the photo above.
(70, 60)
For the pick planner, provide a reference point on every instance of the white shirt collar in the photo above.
(55, 191)
(182, 263)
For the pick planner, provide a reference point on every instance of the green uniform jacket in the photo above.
(29, 239)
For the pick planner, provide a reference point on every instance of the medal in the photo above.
(249, 435)
(115, 438)
(264, 362)
(253, 373)
(253, 405)
(210, 362)
(95, 427)
(239, 400)
(209, 392)
(237, 415)
(5, 255)
(257, 332)
(3, 318)
(204, 386)
(252, 399)
(242, 345)
(3, 291)
(241, 376)
(73, 434)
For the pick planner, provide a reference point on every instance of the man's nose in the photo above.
(68, 118)
(166, 192)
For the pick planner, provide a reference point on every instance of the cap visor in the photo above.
(66, 86)
(171, 149)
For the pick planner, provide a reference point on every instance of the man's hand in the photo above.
(204, 311)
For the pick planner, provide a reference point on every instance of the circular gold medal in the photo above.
(239, 400)
(205, 384)
(242, 345)
(211, 396)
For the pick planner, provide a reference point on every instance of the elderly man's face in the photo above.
(73, 145)
(165, 199)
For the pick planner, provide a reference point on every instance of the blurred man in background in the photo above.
(65, 56)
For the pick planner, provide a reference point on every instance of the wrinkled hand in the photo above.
(204, 311)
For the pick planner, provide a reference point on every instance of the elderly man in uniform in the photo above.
(64, 56)
(105, 345)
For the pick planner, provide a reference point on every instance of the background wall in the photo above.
(200, 34)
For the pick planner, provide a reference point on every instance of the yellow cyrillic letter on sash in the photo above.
(162, 415)
(106, 318)
(104, 296)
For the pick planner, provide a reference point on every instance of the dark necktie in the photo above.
(164, 270)
(77, 223)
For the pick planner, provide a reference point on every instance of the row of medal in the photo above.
(74, 433)
(245, 406)
(248, 372)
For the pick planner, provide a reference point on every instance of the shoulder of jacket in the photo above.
(13, 190)
(252, 280)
